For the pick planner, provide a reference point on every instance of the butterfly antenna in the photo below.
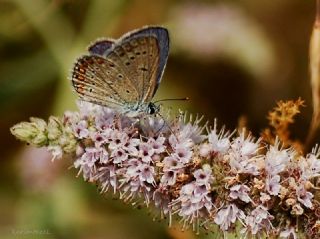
(185, 98)
(165, 123)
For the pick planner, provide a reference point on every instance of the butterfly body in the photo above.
(124, 74)
(133, 110)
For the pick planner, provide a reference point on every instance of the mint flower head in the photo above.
(199, 175)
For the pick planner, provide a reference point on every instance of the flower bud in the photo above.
(54, 128)
(297, 210)
(40, 123)
(31, 132)
(283, 192)
(291, 201)
(71, 146)
(40, 139)
(68, 143)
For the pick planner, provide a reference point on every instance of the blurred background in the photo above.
(233, 59)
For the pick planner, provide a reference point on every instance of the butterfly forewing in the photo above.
(125, 72)
(162, 36)
(139, 59)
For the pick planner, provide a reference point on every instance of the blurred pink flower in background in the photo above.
(206, 31)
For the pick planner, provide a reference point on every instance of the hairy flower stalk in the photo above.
(199, 175)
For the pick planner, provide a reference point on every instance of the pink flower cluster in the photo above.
(200, 175)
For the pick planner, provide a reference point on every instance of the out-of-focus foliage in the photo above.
(232, 58)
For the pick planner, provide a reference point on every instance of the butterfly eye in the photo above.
(152, 108)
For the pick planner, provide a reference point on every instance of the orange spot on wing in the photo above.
(100, 61)
(82, 70)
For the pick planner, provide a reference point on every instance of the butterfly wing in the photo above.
(125, 72)
(99, 80)
(100, 46)
(153, 46)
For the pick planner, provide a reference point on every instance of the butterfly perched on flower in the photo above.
(124, 74)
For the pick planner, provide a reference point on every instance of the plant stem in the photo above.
(314, 65)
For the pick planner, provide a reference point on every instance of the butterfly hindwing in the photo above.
(101, 81)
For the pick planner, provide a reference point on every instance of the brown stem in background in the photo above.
(318, 13)
(315, 78)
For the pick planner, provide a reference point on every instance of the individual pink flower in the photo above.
(243, 165)
(193, 201)
(119, 156)
(183, 154)
(81, 129)
(171, 167)
(204, 176)
(277, 160)
(157, 144)
(243, 155)
(218, 143)
(56, 152)
(185, 135)
(87, 109)
(146, 152)
(146, 173)
(245, 146)
(310, 166)
(169, 178)
(153, 126)
(172, 163)
(162, 200)
(118, 139)
(258, 221)
(104, 118)
(107, 177)
(273, 185)
(93, 155)
(87, 162)
(241, 192)
(100, 138)
(133, 168)
(192, 131)
(228, 216)
(304, 196)
(131, 146)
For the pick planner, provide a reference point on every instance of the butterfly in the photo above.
(124, 74)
